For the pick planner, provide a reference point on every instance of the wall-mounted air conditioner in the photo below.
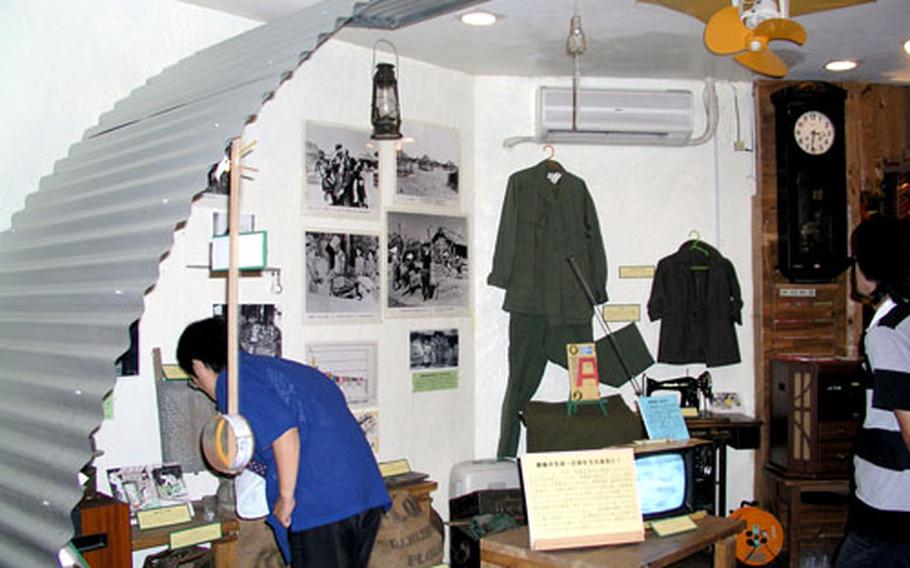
(615, 116)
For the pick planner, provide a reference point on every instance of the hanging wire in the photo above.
(576, 44)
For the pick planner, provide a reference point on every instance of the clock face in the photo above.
(814, 132)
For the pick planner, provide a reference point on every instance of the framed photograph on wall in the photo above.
(342, 171)
(427, 268)
(428, 166)
(259, 332)
(352, 365)
(342, 276)
(433, 358)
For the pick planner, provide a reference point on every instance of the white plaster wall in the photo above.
(65, 63)
(648, 199)
(433, 429)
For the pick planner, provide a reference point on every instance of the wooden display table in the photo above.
(811, 511)
(224, 548)
(510, 549)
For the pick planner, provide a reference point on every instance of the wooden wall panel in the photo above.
(815, 319)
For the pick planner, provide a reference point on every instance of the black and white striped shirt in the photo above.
(882, 460)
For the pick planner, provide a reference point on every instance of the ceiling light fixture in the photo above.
(839, 65)
(907, 46)
(478, 19)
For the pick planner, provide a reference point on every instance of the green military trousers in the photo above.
(533, 341)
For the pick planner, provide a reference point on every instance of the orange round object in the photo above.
(227, 443)
(763, 538)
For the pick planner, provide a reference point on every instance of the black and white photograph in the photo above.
(428, 166)
(341, 170)
(342, 275)
(169, 482)
(434, 349)
(427, 262)
(219, 177)
(259, 330)
(352, 365)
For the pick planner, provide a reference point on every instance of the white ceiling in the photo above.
(627, 39)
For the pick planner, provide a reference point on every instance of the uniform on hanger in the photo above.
(547, 216)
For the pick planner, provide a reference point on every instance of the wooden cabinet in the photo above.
(815, 319)
(817, 406)
(105, 516)
(812, 512)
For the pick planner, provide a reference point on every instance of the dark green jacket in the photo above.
(542, 224)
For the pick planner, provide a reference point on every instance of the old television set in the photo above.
(675, 478)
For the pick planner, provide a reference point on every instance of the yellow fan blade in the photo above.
(701, 9)
(704, 9)
(780, 28)
(800, 7)
(725, 32)
(764, 62)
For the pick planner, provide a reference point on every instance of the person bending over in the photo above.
(326, 495)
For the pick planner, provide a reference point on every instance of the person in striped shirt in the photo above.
(878, 522)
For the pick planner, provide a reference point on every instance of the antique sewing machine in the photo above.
(687, 387)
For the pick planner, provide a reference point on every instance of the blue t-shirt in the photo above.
(338, 476)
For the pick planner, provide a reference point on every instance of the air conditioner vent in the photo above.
(615, 115)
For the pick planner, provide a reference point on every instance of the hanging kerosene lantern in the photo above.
(386, 117)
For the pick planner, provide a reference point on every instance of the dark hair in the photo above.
(881, 247)
(205, 340)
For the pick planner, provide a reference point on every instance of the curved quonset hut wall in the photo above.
(77, 261)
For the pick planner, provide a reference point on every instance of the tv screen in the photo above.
(661, 480)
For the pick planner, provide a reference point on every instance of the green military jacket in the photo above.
(542, 224)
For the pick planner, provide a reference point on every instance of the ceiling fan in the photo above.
(743, 28)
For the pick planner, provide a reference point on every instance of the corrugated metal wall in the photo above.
(77, 260)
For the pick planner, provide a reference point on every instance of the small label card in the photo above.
(195, 535)
(674, 525)
(581, 498)
(426, 381)
(394, 467)
(797, 292)
(622, 312)
(164, 516)
(636, 271)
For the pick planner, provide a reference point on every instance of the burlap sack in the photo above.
(256, 546)
(409, 535)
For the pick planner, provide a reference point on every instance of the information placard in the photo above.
(583, 498)
(663, 418)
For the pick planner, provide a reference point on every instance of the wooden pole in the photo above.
(233, 276)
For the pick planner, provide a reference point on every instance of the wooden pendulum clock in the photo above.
(811, 181)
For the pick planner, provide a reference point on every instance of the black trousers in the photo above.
(343, 544)
(533, 341)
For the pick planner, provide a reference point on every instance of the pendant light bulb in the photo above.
(576, 44)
